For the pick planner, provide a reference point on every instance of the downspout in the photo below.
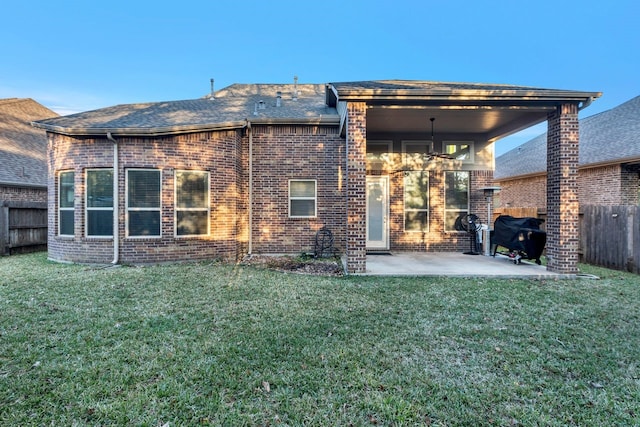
(250, 207)
(116, 241)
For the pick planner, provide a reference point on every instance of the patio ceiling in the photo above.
(495, 122)
(492, 109)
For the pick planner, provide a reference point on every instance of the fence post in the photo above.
(4, 229)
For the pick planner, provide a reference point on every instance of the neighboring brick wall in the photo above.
(630, 183)
(216, 152)
(22, 194)
(604, 186)
(523, 193)
(296, 152)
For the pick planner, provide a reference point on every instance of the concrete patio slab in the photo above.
(455, 264)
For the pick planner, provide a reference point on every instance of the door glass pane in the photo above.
(375, 203)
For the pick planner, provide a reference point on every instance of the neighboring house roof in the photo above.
(612, 136)
(23, 149)
(232, 107)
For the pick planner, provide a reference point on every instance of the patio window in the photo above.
(192, 203)
(143, 202)
(99, 203)
(66, 195)
(414, 153)
(302, 198)
(416, 201)
(456, 197)
(459, 150)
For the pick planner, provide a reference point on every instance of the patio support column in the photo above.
(562, 190)
(356, 187)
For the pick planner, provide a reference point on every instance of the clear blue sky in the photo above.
(75, 56)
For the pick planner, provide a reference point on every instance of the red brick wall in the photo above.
(217, 152)
(356, 186)
(296, 152)
(22, 194)
(605, 186)
(562, 190)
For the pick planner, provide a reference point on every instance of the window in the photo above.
(459, 150)
(378, 154)
(192, 203)
(416, 201)
(302, 198)
(143, 202)
(66, 203)
(456, 197)
(415, 152)
(99, 184)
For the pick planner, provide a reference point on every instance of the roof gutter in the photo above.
(116, 212)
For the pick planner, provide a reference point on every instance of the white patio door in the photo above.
(378, 212)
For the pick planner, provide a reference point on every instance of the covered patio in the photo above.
(452, 264)
(383, 120)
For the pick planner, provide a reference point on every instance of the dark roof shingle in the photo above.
(23, 149)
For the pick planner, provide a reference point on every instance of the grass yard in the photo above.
(213, 344)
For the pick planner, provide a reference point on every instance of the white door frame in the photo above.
(378, 238)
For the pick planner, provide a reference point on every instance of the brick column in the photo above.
(356, 187)
(562, 190)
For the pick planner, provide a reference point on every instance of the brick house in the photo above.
(260, 168)
(608, 167)
(23, 151)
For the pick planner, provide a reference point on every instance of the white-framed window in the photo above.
(302, 198)
(192, 203)
(414, 153)
(456, 197)
(99, 202)
(416, 201)
(378, 154)
(143, 202)
(66, 203)
(459, 150)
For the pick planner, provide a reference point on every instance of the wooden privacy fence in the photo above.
(23, 227)
(610, 236)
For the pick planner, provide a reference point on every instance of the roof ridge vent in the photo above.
(212, 94)
(295, 88)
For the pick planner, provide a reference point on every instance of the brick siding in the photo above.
(562, 193)
(296, 152)
(216, 152)
(22, 194)
(610, 185)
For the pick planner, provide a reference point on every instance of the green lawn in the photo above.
(214, 344)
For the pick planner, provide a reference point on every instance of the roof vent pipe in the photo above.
(278, 99)
(212, 94)
(295, 88)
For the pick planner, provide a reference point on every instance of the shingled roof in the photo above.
(612, 136)
(231, 107)
(23, 149)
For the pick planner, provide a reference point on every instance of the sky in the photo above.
(74, 56)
